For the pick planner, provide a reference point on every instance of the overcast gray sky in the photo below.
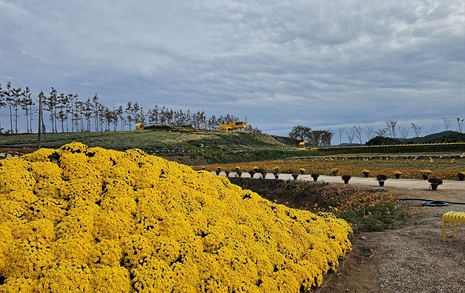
(324, 64)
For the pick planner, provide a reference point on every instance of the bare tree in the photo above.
(459, 124)
(381, 132)
(358, 132)
(416, 129)
(350, 135)
(404, 131)
(433, 129)
(370, 132)
(447, 123)
(341, 132)
(391, 127)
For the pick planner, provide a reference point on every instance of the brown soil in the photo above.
(17, 151)
(411, 258)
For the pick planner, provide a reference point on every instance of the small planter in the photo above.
(397, 176)
(276, 176)
(315, 176)
(295, 175)
(302, 171)
(227, 173)
(366, 173)
(346, 178)
(239, 173)
(434, 183)
(425, 177)
(263, 175)
(381, 178)
(252, 173)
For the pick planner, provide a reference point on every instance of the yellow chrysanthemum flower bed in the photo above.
(81, 219)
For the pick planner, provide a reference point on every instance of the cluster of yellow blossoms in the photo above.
(82, 219)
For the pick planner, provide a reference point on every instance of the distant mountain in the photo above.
(445, 136)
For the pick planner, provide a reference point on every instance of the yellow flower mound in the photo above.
(81, 219)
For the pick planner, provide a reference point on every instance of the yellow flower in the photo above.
(83, 219)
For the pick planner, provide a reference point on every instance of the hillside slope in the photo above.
(178, 144)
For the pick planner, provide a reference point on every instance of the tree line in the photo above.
(392, 133)
(66, 113)
(311, 137)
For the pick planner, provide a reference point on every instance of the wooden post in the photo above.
(39, 123)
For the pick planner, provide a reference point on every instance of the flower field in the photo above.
(82, 219)
(410, 166)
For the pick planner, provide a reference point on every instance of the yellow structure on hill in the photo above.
(232, 126)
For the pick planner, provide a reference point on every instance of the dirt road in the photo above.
(412, 258)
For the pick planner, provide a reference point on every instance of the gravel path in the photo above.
(408, 184)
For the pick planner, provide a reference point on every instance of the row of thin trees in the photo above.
(393, 130)
(66, 113)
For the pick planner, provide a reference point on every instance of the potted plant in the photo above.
(252, 172)
(397, 174)
(301, 171)
(218, 171)
(227, 172)
(295, 175)
(425, 174)
(334, 171)
(263, 172)
(346, 178)
(276, 175)
(381, 178)
(239, 173)
(315, 176)
(434, 182)
(366, 173)
(461, 175)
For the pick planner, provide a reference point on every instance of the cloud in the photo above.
(279, 63)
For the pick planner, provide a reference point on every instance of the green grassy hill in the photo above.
(179, 144)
